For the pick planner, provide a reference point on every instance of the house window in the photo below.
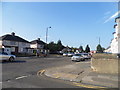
(21, 49)
(41, 46)
(13, 43)
(23, 44)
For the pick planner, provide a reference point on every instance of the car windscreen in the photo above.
(4, 53)
(77, 55)
(85, 54)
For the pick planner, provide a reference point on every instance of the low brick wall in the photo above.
(105, 65)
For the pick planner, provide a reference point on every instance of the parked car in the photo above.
(65, 54)
(5, 56)
(70, 54)
(86, 55)
(77, 57)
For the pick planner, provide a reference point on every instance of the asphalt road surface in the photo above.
(22, 73)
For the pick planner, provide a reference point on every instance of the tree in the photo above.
(59, 45)
(59, 42)
(55, 47)
(87, 49)
(99, 49)
(81, 49)
(52, 47)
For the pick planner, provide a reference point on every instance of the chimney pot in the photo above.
(38, 39)
(13, 34)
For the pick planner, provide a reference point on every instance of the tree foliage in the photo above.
(55, 47)
(59, 45)
(81, 49)
(87, 49)
(99, 49)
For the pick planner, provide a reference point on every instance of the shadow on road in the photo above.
(18, 61)
(83, 60)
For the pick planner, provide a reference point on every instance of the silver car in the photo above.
(77, 57)
(70, 54)
(86, 55)
(4, 56)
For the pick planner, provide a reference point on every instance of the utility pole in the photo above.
(46, 38)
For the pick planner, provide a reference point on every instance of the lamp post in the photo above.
(46, 38)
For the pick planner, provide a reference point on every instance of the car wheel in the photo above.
(83, 60)
(11, 59)
(4, 60)
(78, 60)
(73, 60)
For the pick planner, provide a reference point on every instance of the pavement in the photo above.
(48, 56)
(81, 73)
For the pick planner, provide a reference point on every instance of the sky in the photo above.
(74, 23)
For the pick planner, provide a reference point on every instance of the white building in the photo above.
(15, 43)
(37, 45)
(108, 50)
(115, 44)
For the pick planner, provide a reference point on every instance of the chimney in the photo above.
(38, 39)
(13, 34)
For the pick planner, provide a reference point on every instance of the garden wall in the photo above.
(105, 63)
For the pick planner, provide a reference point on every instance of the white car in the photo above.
(5, 56)
(70, 54)
(77, 57)
(65, 54)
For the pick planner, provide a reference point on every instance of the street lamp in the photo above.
(46, 37)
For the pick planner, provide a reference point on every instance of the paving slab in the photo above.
(81, 72)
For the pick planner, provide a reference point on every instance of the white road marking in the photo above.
(20, 77)
(0, 82)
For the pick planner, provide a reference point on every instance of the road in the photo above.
(23, 73)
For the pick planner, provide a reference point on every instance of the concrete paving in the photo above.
(81, 72)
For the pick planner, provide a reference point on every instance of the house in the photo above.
(115, 44)
(15, 43)
(66, 49)
(37, 45)
(108, 50)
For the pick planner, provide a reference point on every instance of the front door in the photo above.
(16, 49)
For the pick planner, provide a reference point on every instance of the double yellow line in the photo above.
(87, 86)
(40, 72)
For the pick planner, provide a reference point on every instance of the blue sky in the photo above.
(74, 23)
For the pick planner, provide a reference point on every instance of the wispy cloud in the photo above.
(112, 17)
(107, 13)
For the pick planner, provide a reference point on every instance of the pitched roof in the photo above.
(115, 25)
(13, 38)
(37, 41)
(117, 18)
